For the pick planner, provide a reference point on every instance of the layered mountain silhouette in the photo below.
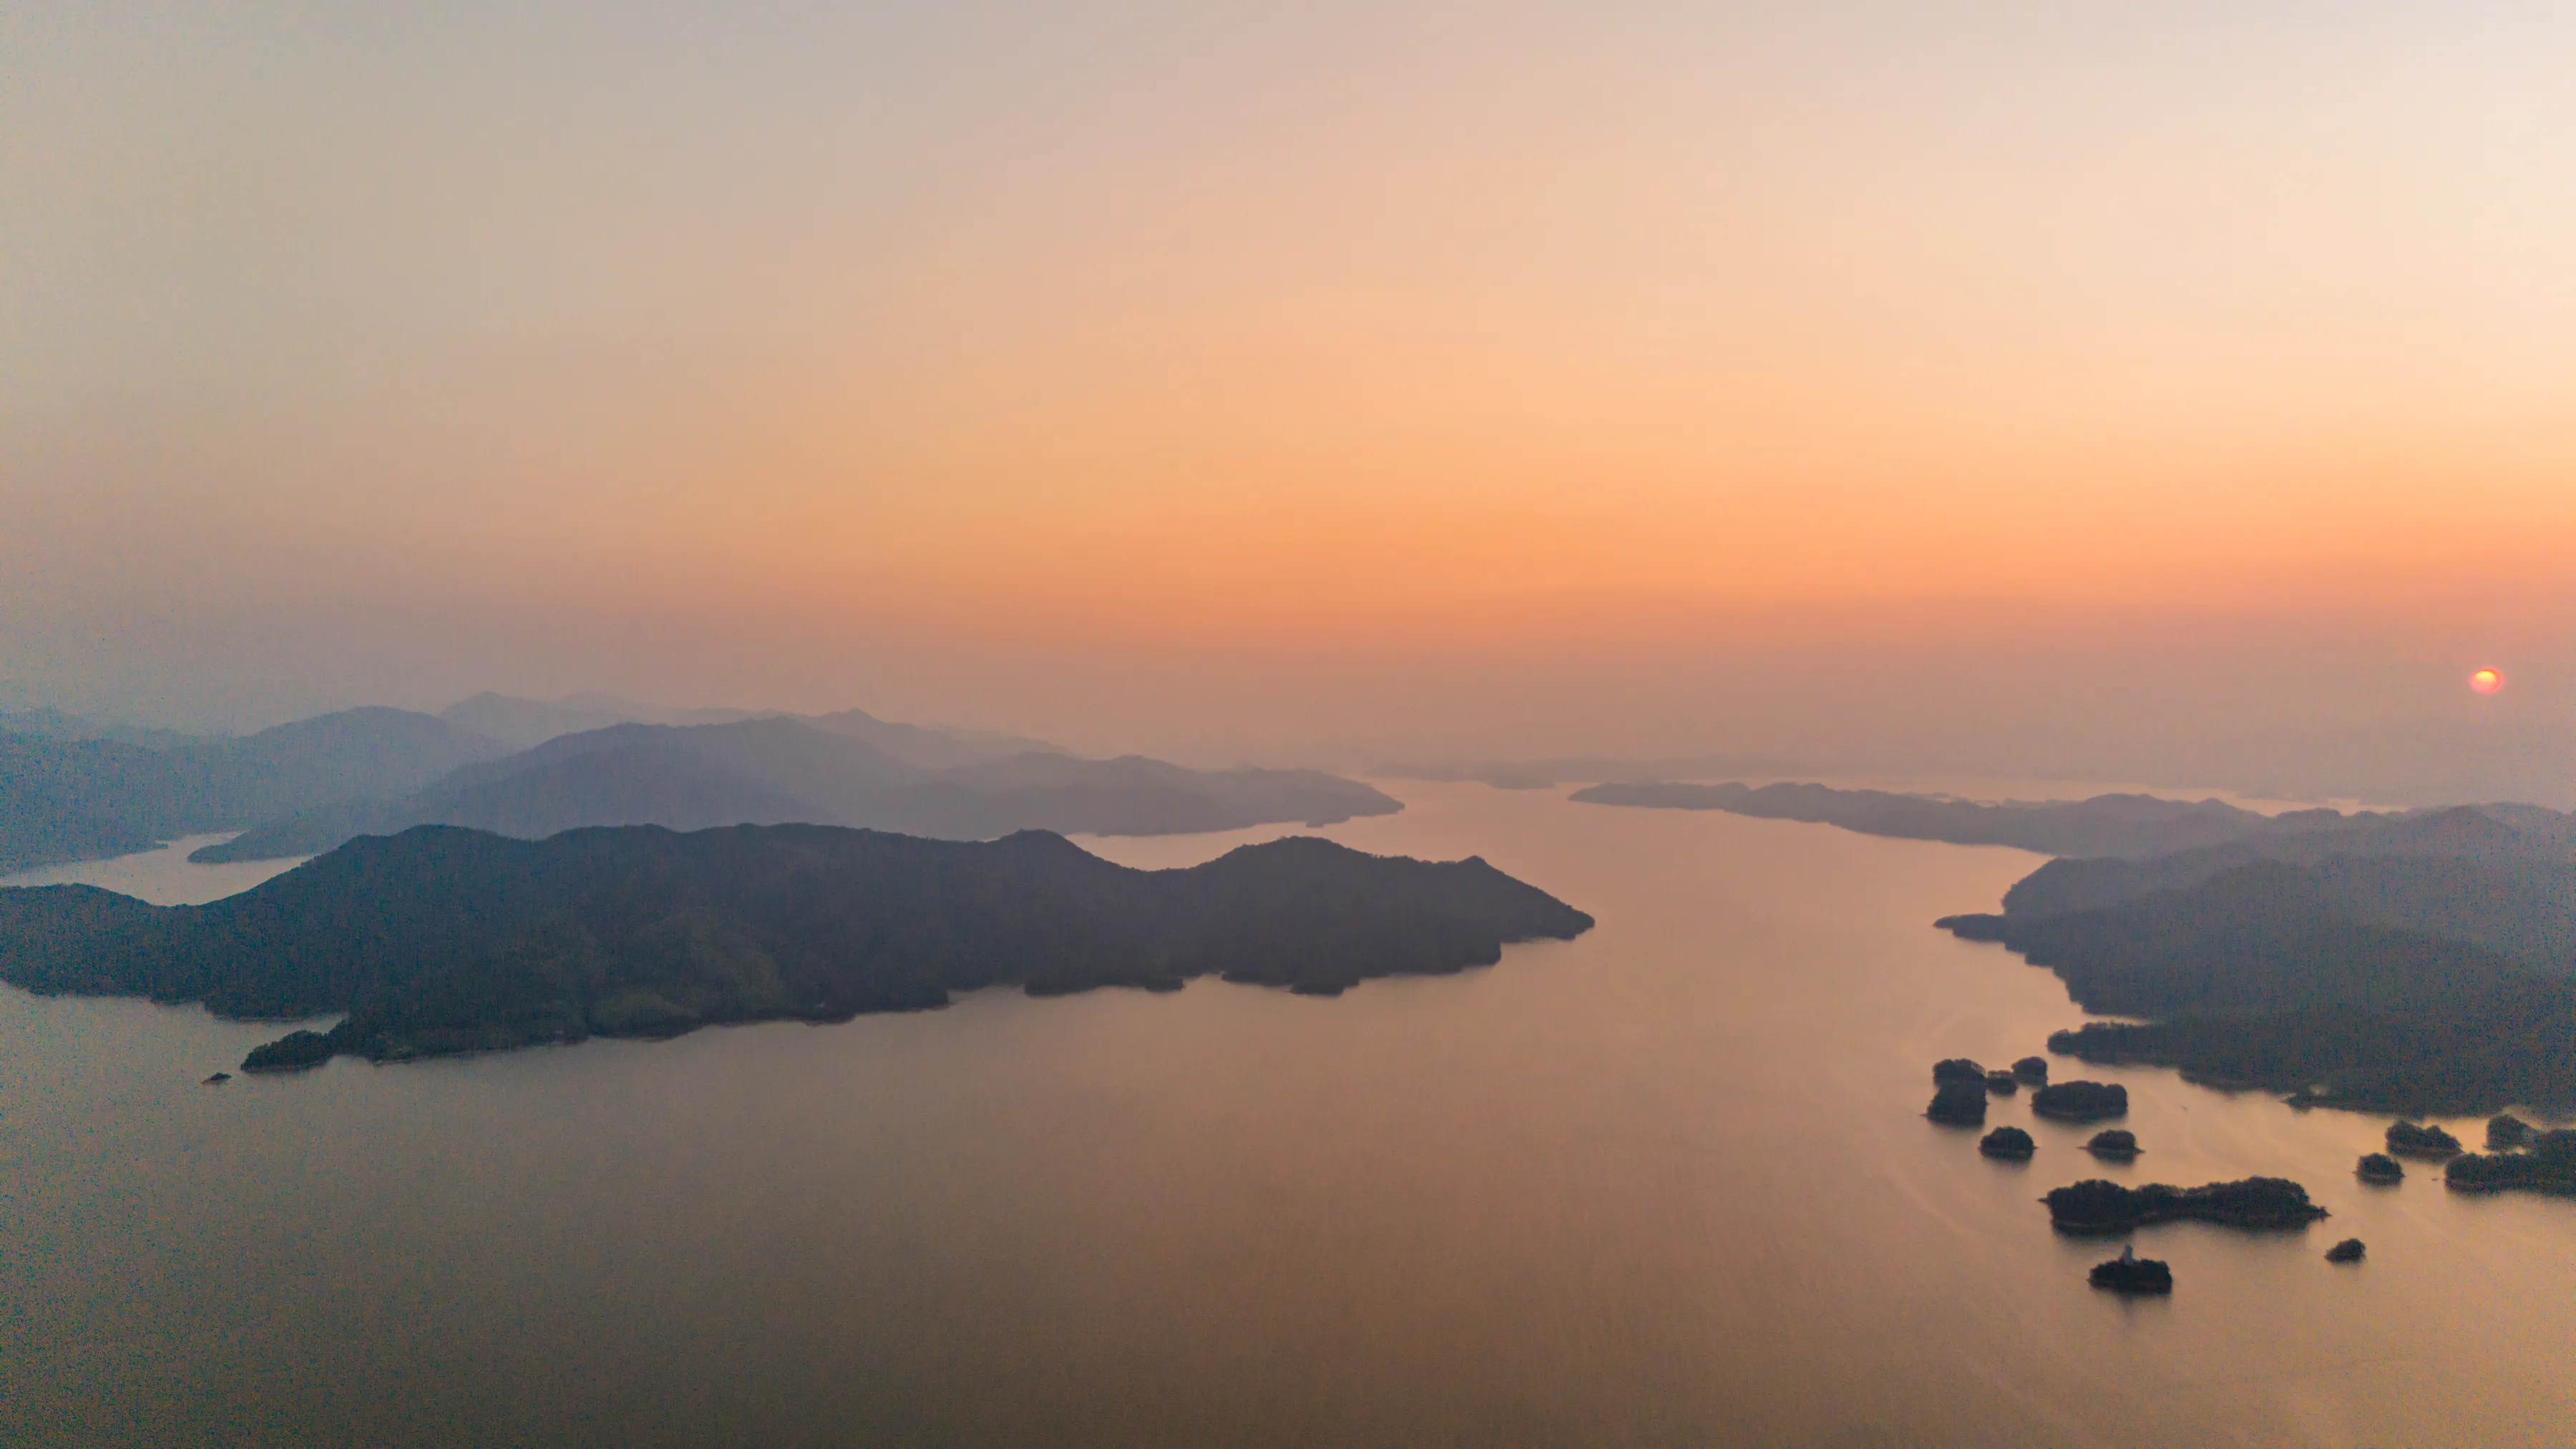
(778, 770)
(442, 939)
(69, 793)
(71, 789)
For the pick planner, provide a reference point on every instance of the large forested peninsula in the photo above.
(2422, 963)
(444, 939)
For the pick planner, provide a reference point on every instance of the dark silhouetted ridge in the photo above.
(444, 939)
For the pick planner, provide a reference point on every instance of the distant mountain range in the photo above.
(1542, 774)
(54, 724)
(2463, 759)
(2213, 832)
(443, 940)
(70, 793)
(779, 770)
(2115, 825)
(526, 723)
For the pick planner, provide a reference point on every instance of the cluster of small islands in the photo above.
(2518, 1155)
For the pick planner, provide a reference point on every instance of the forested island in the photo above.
(2097, 1206)
(444, 940)
(2081, 1101)
(2129, 1273)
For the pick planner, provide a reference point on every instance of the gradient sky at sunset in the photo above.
(1317, 378)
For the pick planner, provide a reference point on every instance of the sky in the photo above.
(2087, 387)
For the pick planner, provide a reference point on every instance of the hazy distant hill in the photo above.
(526, 723)
(778, 770)
(51, 723)
(78, 799)
(930, 747)
(447, 940)
(2104, 825)
(1542, 774)
(2463, 759)
(72, 799)
(2118, 846)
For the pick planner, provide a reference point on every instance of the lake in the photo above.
(1669, 1183)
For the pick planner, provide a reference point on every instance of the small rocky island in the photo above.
(2129, 1273)
(2031, 1071)
(442, 939)
(2081, 1101)
(2116, 1144)
(2380, 1168)
(2002, 1083)
(2010, 1143)
(2347, 1251)
(2096, 1206)
(2409, 1139)
(2506, 1131)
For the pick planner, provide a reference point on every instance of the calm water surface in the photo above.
(1666, 1184)
(164, 877)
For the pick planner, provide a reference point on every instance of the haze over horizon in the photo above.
(2071, 391)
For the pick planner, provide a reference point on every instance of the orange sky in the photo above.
(802, 357)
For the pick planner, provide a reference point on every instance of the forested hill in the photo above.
(2397, 982)
(443, 939)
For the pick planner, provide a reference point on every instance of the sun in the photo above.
(2487, 681)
